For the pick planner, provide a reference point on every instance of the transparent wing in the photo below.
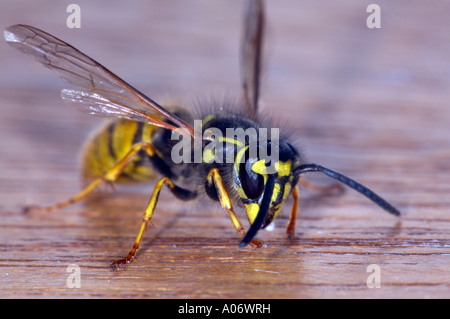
(251, 55)
(104, 92)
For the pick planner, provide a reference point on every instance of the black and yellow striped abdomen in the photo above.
(110, 143)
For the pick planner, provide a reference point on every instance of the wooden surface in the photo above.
(373, 104)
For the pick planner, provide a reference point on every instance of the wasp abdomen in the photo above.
(110, 143)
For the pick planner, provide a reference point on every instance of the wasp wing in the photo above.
(104, 92)
(251, 56)
(97, 104)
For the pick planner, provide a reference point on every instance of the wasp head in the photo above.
(263, 186)
(263, 182)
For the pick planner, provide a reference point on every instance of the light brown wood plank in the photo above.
(372, 104)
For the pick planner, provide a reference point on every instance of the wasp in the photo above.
(138, 143)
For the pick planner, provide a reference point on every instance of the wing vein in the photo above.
(110, 95)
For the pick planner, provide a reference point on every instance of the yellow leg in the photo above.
(291, 227)
(109, 177)
(147, 217)
(225, 201)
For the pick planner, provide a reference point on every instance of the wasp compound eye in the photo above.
(252, 183)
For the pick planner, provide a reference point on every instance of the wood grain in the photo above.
(372, 104)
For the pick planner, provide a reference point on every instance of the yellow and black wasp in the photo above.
(140, 139)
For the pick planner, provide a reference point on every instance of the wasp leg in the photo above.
(321, 188)
(215, 178)
(177, 191)
(109, 177)
(291, 227)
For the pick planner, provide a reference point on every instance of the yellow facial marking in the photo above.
(208, 156)
(283, 168)
(259, 167)
(276, 191)
(252, 211)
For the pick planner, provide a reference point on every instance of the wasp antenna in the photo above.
(262, 214)
(350, 183)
